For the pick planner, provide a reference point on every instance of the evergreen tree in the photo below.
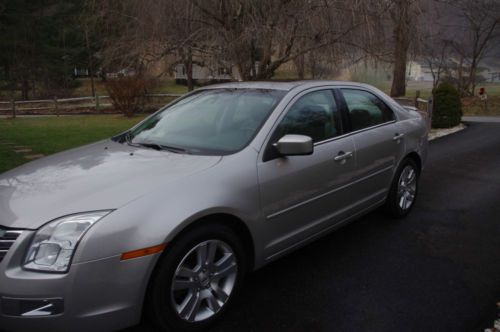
(41, 42)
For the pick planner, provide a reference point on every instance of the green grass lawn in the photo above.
(9, 159)
(49, 135)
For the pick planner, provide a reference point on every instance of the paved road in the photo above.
(481, 118)
(437, 270)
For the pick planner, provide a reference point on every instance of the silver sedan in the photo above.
(163, 221)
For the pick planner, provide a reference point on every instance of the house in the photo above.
(206, 73)
(80, 72)
(491, 69)
(418, 70)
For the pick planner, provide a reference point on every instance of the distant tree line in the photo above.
(41, 41)
(456, 37)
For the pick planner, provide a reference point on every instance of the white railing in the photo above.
(59, 106)
(98, 104)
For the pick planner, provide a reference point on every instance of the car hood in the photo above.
(100, 176)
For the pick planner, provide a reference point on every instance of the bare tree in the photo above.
(403, 16)
(259, 35)
(435, 49)
(256, 36)
(479, 27)
(438, 61)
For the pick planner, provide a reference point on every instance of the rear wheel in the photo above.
(404, 189)
(196, 279)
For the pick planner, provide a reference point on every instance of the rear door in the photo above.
(378, 141)
(302, 195)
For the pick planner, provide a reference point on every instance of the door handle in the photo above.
(343, 156)
(397, 137)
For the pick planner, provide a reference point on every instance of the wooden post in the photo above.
(56, 107)
(97, 102)
(417, 95)
(13, 108)
(429, 111)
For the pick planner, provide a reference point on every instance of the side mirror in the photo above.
(294, 145)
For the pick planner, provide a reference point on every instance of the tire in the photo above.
(404, 184)
(184, 294)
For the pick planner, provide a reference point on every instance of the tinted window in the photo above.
(315, 115)
(365, 109)
(215, 121)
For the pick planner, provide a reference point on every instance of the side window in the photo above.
(315, 115)
(366, 109)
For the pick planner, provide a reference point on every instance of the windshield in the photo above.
(214, 122)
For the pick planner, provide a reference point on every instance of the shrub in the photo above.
(447, 111)
(127, 93)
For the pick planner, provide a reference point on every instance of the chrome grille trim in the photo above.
(7, 239)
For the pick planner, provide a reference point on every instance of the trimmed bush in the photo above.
(447, 111)
(127, 93)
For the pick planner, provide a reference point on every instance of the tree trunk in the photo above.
(25, 88)
(104, 75)
(188, 64)
(313, 66)
(6, 68)
(300, 66)
(398, 88)
(401, 20)
(90, 62)
(471, 84)
(460, 76)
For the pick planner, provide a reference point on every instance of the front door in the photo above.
(302, 195)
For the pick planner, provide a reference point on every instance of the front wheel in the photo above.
(196, 279)
(404, 189)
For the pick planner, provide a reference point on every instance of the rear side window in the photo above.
(315, 115)
(366, 109)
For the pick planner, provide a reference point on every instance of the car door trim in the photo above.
(325, 230)
(315, 198)
(354, 132)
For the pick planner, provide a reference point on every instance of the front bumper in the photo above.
(99, 295)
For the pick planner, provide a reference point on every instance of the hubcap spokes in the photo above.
(407, 187)
(204, 280)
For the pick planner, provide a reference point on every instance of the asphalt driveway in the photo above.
(437, 270)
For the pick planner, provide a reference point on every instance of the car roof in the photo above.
(283, 85)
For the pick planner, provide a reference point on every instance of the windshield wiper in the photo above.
(127, 137)
(160, 147)
(156, 146)
(174, 149)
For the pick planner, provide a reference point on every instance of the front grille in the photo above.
(7, 239)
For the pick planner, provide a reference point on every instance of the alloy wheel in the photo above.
(407, 187)
(204, 280)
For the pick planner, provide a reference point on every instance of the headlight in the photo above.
(53, 245)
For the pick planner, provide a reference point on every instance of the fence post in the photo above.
(417, 95)
(429, 111)
(56, 107)
(97, 102)
(13, 108)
